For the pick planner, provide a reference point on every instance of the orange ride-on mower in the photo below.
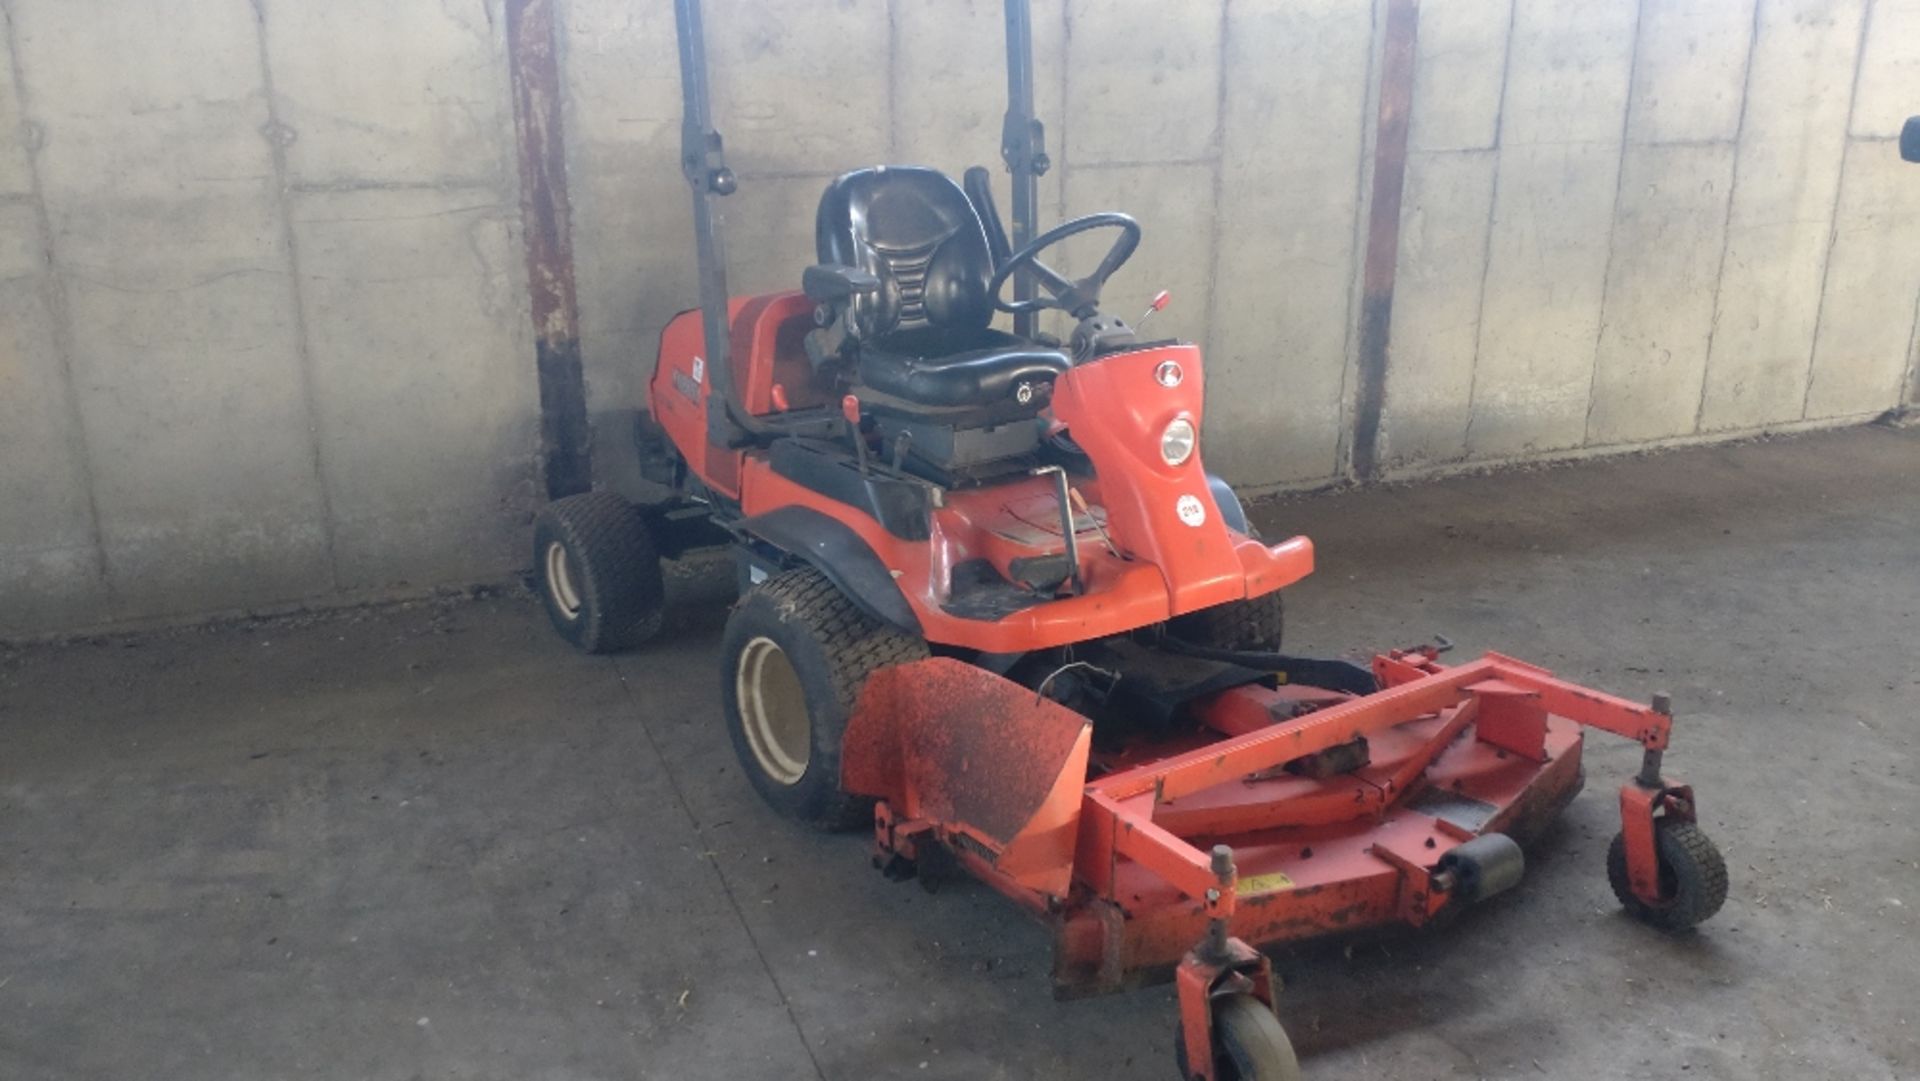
(996, 610)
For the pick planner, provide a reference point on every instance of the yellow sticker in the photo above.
(1269, 883)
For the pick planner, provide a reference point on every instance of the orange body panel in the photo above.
(769, 351)
(1176, 554)
(1116, 408)
(677, 397)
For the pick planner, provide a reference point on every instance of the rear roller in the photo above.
(1248, 1044)
(1484, 866)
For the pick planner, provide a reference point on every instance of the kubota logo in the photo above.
(1168, 374)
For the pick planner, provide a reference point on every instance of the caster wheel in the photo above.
(599, 572)
(1248, 1043)
(1693, 876)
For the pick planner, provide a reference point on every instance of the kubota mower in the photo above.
(996, 610)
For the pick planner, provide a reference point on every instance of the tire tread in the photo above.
(1253, 623)
(1255, 1044)
(854, 645)
(1698, 865)
(623, 593)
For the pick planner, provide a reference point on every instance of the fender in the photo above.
(1232, 511)
(1117, 409)
(835, 550)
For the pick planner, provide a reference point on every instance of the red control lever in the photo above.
(1160, 300)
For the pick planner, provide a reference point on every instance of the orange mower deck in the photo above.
(1305, 812)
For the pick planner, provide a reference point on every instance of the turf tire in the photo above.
(1693, 876)
(1256, 624)
(606, 592)
(1249, 1043)
(832, 646)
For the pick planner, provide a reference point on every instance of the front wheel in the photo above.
(795, 654)
(1255, 625)
(1248, 1043)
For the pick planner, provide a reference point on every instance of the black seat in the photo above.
(922, 334)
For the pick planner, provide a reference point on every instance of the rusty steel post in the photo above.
(1383, 232)
(546, 212)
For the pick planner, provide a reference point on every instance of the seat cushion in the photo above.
(936, 367)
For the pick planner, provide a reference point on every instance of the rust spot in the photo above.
(545, 205)
(1383, 231)
(546, 225)
(1340, 917)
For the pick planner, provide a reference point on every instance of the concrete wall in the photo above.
(263, 330)
(1626, 222)
(1648, 221)
(262, 323)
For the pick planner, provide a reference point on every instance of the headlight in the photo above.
(1176, 443)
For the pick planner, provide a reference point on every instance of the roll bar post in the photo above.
(1023, 145)
(703, 159)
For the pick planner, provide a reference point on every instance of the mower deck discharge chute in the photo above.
(995, 609)
(977, 763)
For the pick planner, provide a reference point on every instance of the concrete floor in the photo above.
(430, 842)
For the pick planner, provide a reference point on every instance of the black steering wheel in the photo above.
(1078, 298)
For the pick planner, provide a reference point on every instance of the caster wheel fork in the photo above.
(1228, 1030)
(1663, 868)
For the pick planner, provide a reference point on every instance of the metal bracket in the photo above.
(1238, 969)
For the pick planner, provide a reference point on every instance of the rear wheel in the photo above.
(1693, 876)
(795, 654)
(1255, 623)
(599, 572)
(1248, 1043)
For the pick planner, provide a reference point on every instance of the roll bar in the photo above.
(703, 160)
(1022, 146)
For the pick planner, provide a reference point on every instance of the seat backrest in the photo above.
(914, 229)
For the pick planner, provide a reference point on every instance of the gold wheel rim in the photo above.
(773, 711)
(560, 581)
